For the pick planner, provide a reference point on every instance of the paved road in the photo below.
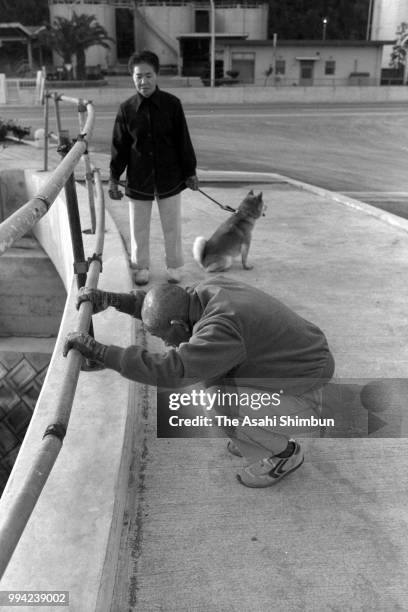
(361, 150)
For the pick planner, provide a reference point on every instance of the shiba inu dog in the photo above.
(231, 239)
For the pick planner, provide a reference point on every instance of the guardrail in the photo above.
(13, 522)
(22, 90)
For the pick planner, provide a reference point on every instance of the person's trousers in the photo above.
(258, 441)
(140, 212)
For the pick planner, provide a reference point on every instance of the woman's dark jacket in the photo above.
(152, 142)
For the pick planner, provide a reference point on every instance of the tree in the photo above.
(89, 33)
(399, 51)
(398, 58)
(68, 37)
(60, 37)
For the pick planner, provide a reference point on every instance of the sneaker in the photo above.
(233, 449)
(270, 470)
(141, 276)
(174, 275)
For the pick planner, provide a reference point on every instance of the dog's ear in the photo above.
(260, 195)
(251, 192)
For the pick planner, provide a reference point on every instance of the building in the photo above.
(303, 62)
(19, 50)
(178, 31)
(387, 16)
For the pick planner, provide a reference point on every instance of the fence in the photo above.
(14, 517)
(22, 91)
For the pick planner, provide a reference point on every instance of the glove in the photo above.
(128, 303)
(114, 191)
(192, 182)
(86, 345)
(100, 300)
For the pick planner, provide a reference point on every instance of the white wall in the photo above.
(387, 17)
(242, 20)
(165, 23)
(257, 95)
(348, 59)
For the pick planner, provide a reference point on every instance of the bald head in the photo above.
(163, 304)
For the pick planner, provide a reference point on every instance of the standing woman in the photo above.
(152, 142)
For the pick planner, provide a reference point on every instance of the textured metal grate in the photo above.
(21, 378)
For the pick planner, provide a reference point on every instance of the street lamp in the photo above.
(324, 28)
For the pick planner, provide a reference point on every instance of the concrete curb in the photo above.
(270, 177)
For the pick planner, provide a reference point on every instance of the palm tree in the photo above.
(59, 38)
(89, 33)
(68, 37)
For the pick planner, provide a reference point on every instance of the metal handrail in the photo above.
(18, 511)
(24, 219)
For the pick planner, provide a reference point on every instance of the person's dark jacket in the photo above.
(152, 142)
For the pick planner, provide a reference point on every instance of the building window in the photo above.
(330, 67)
(280, 66)
(202, 21)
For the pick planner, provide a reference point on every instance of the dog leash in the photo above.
(224, 207)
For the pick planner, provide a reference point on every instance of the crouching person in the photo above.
(217, 330)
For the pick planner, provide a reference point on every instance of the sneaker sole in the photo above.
(269, 484)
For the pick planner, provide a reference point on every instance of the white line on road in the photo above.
(375, 194)
(255, 116)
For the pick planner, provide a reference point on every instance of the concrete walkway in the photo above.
(332, 536)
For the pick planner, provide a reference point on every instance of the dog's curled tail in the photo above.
(198, 250)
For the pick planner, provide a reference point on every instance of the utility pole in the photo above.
(275, 41)
(212, 45)
(369, 20)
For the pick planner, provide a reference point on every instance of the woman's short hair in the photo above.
(144, 57)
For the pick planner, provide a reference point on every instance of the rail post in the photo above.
(80, 264)
(46, 128)
(89, 176)
(57, 98)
